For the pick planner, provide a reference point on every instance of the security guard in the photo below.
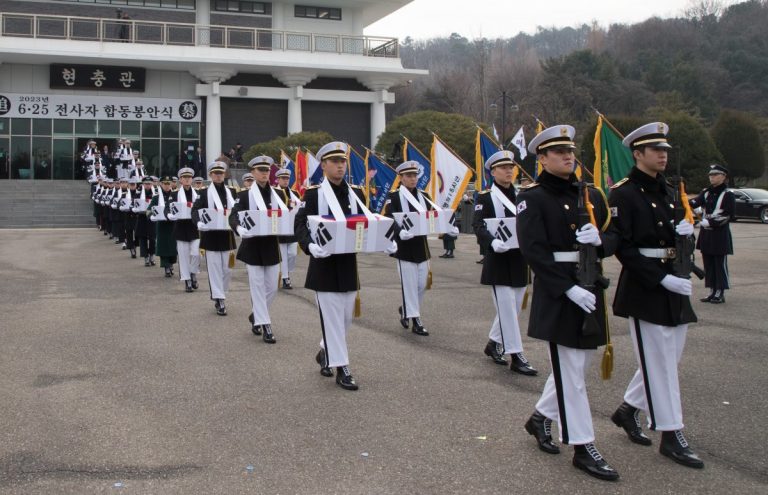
(568, 316)
(288, 243)
(717, 205)
(185, 232)
(655, 301)
(165, 243)
(218, 244)
(260, 254)
(503, 268)
(334, 278)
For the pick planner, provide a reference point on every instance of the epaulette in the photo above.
(315, 186)
(354, 186)
(620, 183)
(529, 186)
(484, 192)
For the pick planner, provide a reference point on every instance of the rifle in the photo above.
(684, 262)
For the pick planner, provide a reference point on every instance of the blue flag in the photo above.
(484, 148)
(287, 163)
(380, 180)
(357, 173)
(411, 152)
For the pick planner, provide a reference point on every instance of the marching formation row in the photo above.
(558, 228)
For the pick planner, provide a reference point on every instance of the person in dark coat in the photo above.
(115, 215)
(412, 250)
(504, 268)
(288, 243)
(571, 318)
(260, 254)
(145, 229)
(717, 205)
(165, 244)
(654, 299)
(178, 210)
(129, 217)
(218, 244)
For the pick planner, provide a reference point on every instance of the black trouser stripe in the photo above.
(322, 329)
(498, 313)
(402, 288)
(559, 390)
(208, 270)
(643, 369)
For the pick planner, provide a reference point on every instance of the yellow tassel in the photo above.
(358, 306)
(202, 253)
(606, 367)
(525, 299)
(231, 259)
(429, 279)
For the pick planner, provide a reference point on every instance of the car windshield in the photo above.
(757, 193)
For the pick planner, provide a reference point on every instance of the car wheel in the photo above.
(764, 214)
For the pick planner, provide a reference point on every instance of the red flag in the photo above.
(302, 175)
(273, 174)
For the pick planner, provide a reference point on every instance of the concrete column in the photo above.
(213, 125)
(294, 110)
(378, 119)
(203, 18)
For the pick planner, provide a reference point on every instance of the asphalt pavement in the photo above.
(114, 380)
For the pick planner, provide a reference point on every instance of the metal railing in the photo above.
(184, 34)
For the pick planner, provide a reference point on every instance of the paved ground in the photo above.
(111, 374)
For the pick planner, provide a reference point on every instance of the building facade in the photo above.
(172, 75)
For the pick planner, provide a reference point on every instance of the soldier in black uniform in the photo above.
(218, 244)
(247, 180)
(655, 301)
(334, 278)
(165, 244)
(717, 205)
(504, 268)
(145, 229)
(261, 254)
(412, 250)
(288, 243)
(129, 217)
(117, 217)
(570, 317)
(185, 232)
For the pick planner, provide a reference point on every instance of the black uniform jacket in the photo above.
(547, 219)
(716, 240)
(338, 272)
(287, 239)
(643, 217)
(416, 249)
(257, 251)
(183, 230)
(144, 227)
(507, 268)
(115, 214)
(214, 240)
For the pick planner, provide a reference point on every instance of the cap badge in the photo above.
(563, 131)
(661, 128)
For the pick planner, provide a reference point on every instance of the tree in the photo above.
(307, 140)
(737, 136)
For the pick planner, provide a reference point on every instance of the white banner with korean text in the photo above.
(38, 106)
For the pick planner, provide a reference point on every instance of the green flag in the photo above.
(612, 159)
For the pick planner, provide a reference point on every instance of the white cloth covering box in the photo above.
(158, 214)
(141, 205)
(213, 219)
(354, 234)
(504, 229)
(428, 222)
(259, 223)
(182, 210)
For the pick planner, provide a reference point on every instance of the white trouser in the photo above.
(336, 310)
(219, 272)
(572, 414)
(288, 258)
(189, 258)
(506, 329)
(263, 283)
(413, 281)
(655, 388)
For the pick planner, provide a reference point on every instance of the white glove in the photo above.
(677, 285)
(698, 211)
(406, 234)
(588, 234)
(135, 210)
(499, 246)
(153, 218)
(454, 231)
(241, 231)
(392, 249)
(684, 228)
(171, 216)
(582, 298)
(704, 224)
(200, 225)
(317, 251)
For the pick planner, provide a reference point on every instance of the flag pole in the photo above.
(605, 119)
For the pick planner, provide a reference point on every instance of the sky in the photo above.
(505, 18)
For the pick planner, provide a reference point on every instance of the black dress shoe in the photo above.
(588, 459)
(450, 255)
(168, 272)
(146, 261)
(495, 351)
(520, 365)
(541, 428)
(221, 309)
(628, 417)
(188, 286)
(287, 284)
(269, 337)
(344, 378)
(256, 329)
(708, 298)
(418, 328)
(444, 255)
(674, 446)
(403, 320)
(480, 261)
(152, 260)
(133, 253)
(193, 280)
(324, 369)
(717, 300)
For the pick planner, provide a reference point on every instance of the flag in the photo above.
(484, 148)
(452, 175)
(495, 133)
(287, 163)
(381, 178)
(411, 152)
(302, 175)
(357, 173)
(539, 168)
(612, 160)
(314, 171)
(273, 174)
(519, 142)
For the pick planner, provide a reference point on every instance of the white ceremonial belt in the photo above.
(661, 253)
(566, 256)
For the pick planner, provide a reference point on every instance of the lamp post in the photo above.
(513, 106)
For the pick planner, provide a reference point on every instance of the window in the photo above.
(246, 7)
(326, 13)
(166, 4)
